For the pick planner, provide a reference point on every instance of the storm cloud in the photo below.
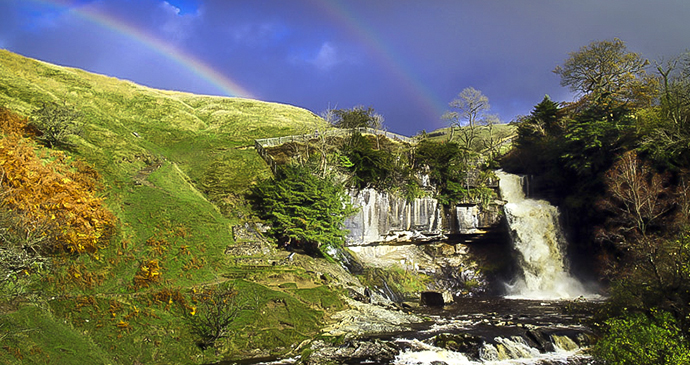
(406, 59)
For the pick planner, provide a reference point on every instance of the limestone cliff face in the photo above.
(475, 218)
(385, 217)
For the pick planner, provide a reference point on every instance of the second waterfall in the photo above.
(537, 237)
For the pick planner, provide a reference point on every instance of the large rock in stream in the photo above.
(353, 351)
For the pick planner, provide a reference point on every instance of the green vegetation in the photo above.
(357, 117)
(395, 281)
(168, 170)
(374, 161)
(304, 210)
(638, 339)
(56, 124)
(616, 161)
(495, 137)
(380, 167)
(449, 168)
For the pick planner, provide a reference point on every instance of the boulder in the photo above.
(354, 351)
(540, 339)
(462, 342)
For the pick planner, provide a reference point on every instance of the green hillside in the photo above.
(172, 165)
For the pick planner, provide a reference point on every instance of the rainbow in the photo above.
(224, 84)
(385, 55)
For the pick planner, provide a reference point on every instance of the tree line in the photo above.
(616, 160)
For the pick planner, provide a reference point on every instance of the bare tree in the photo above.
(637, 195)
(218, 307)
(490, 142)
(638, 199)
(470, 107)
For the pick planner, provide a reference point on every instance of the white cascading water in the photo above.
(537, 236)
(505, 351)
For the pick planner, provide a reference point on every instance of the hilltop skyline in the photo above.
(406, 59)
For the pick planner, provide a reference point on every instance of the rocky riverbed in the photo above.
(471, 331)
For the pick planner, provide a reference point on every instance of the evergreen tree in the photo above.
(303, 210)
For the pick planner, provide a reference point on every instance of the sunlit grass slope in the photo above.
(172, 165)
(198, 133)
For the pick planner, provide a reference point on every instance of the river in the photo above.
(491, 331)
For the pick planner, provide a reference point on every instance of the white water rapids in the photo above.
(537, 236)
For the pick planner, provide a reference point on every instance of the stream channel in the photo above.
(532, 323)
(496, 331)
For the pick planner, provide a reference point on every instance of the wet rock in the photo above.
(387, 217)
(355, 350)
(349, 262)
(462, 342)
(360, 297)
(363, 319)
(447, 297)
(431, 299)
(564, 342)
(461, 249)
(439, 249)
(541, 340)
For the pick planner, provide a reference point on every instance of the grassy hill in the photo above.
(172, 167)
(483, 137)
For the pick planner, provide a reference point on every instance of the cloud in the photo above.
(327, 58)
(258, 34)
(176, 26)
(184, 6)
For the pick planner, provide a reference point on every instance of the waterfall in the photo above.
(537, 236)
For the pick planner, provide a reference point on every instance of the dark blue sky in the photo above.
(405, 58)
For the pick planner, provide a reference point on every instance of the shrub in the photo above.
(21, 255)
(370, 167)
(49, 188)
(217, 308)
(149, 273)
(56, 123)
(643, 339)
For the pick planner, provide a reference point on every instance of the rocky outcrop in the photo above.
(385, 218)
(475, 218)
(464, 343)
(354, 351)
(368, 319)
